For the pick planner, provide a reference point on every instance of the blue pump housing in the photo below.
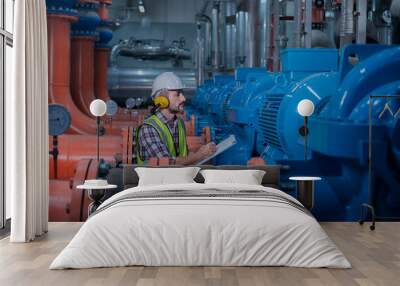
(260, 108)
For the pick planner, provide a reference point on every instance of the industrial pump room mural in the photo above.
(313, 86)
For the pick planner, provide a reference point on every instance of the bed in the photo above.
(197, 224)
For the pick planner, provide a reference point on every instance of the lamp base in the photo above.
(305, 193)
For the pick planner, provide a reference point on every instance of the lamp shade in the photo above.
(98, 107)
(305, 107)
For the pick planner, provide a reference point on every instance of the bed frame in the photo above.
(271, 178)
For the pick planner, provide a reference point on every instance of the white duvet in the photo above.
(200, 231)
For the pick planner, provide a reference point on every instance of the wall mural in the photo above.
(289, 98)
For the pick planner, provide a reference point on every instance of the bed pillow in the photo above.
(166, 176)
(248, 177)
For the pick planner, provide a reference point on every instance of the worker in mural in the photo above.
(163, 133)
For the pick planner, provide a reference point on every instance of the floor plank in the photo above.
(374, 255)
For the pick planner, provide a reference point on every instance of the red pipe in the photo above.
(73, 148)
(318, 15)
(82, 73)
(103, 10)
(66, 202)
(59, 200)
(79, 201)
(100, 73)
(75, 165)
(59, 53)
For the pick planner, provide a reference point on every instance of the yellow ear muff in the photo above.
(161, 101)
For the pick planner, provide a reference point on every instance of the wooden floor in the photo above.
(375, 257)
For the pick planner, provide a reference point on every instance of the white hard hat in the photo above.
(166, 81)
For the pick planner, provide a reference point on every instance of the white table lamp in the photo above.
(305, 108)
(98, 108)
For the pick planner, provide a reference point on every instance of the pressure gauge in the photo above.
(112, 107)
(130, 103)
(59, 119)
(139, 101)
(319, 3)
(387, 17)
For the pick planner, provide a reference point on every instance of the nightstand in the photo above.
(305, 190)
(95, 193)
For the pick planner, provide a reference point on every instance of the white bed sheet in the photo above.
(200, 231)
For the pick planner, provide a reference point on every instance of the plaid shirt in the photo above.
(150, 142)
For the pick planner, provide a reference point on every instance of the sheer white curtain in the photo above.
(27, 124)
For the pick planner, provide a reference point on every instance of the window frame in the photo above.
(6, 39)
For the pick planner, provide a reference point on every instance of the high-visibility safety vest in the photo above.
(166, 137)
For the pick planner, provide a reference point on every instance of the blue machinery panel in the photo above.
(260, 108)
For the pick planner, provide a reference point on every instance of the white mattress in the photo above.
(192, 231)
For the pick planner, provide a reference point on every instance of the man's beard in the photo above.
(176, 110)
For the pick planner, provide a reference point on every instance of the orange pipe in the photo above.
(103, 11)
(100, 73)
(82, 73)
(73, 148)
(101, 58)
(256, 161)
(79, 201)
(318, 15)
(59, 200)
(59, 51)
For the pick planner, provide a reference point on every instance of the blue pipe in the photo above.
(380, 69)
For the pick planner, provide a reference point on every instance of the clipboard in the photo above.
(221, 147)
